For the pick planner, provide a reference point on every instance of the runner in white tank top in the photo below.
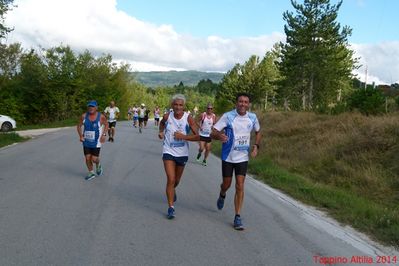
(175, 151)
(206, 122)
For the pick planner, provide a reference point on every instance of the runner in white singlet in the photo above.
(175, 151)
(206, 122)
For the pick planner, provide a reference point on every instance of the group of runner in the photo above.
(140, 116)
(233, 129)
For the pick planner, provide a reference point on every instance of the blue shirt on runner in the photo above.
(92, 130)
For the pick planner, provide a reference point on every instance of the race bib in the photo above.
(177, 144)
(90, 135)
(241, 143)
(206, 132)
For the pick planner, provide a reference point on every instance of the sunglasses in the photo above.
(210, 108)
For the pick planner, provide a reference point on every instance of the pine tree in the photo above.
(316, 60)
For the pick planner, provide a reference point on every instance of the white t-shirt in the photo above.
(111, 113)
(142, 112)
(135, 111)
(238, 130)
(172, 146)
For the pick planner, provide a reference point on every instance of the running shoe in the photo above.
(171, 213)
(238, 223)
(220, 202)
(198, 157)
(90, 176)
(204, 163)
(99, 169)
(140, 129)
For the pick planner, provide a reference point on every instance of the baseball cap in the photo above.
(142, 104)
(92, 103)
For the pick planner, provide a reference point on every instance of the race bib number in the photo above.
(90, 135)
(206, 132)
(177, 144)
(241, 143)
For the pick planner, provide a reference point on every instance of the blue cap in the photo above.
(92, 103)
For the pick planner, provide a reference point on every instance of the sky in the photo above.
(197, 35)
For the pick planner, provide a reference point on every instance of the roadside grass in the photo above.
(62, 123)
(346, 165)
(10, 138)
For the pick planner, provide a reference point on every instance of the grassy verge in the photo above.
(345, 165)
(378, 221)
(10, 138)
(63, 123)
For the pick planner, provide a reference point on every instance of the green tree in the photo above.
(316, 61)
(256, 77)
(368, 101)
(5, 6)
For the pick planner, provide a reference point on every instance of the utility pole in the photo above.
(365, 81)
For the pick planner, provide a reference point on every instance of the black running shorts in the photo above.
(111, 124)
(206, 139)
(92, 151)
(238, 168)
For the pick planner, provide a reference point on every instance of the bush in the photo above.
(368, 101)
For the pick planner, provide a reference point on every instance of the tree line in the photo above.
(312, 70)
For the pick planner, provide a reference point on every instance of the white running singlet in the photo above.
(207, 124)
(177, 148)
(111, 113)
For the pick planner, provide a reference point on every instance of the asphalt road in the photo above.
(49, 215)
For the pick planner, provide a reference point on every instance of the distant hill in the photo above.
(171, 78)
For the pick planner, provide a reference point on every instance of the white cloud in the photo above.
(98, 26)
(381, 60)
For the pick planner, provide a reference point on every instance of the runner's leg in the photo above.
(170, 170)
(178, 174)
(113, 132)
(89, 162)
(207, 150)
(201, 149)
(239, 196)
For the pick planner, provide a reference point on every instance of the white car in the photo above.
(7, 123)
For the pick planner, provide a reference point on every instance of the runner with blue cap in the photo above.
(92, 128)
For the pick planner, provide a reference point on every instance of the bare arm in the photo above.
(194, 128)
(255, 147)
(103, 122)
(193, 125)
(162, 126)
(79, 128)
(218, 135)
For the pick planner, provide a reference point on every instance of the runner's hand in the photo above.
(160, 135)
(82, 139)
(223, 138)
(102, 139)
(254, 152)
(178, 135)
